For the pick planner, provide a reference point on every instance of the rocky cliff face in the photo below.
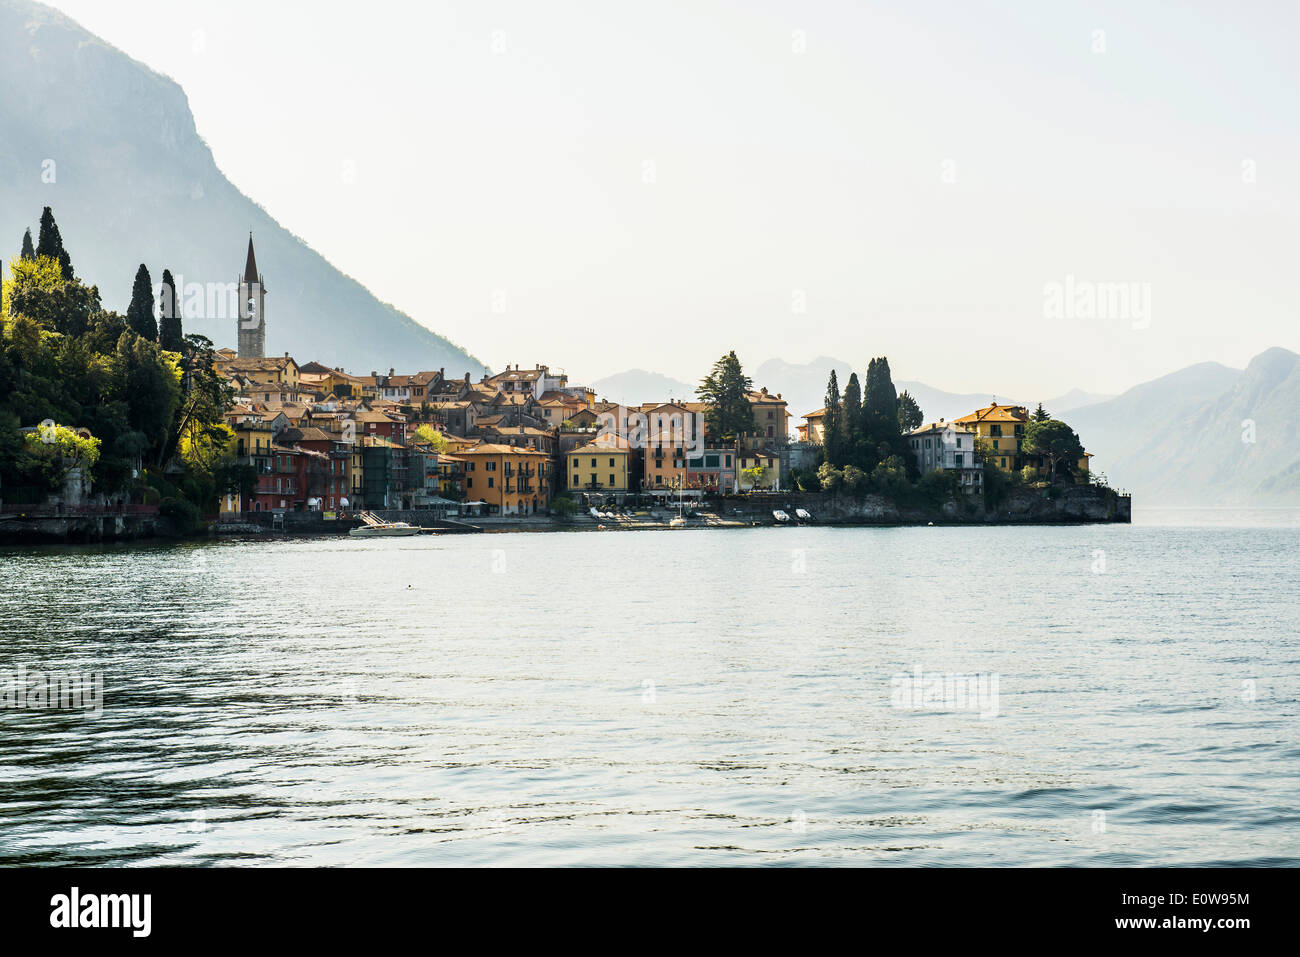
(112, 147)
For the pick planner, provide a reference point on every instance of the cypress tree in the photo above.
(139, 315)
(29, 252)
(832, 422)
(170, 335)
(852, 418)
(50, 243)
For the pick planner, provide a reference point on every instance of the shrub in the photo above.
(184, 515)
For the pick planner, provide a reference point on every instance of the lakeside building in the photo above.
(508, 479)
(950, 447)
(598, 467)
(1001, 430)
(763, 467)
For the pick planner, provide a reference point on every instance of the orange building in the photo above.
(511, 480)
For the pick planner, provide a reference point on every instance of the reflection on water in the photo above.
(676, 697)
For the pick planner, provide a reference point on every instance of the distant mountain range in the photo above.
(636, 386)
(804, 387)
(1206, 435)
(133, 182)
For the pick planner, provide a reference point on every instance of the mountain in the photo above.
(801, 384)
(1074, 399)
(1206, 435)
(636, 386)
(133, 182)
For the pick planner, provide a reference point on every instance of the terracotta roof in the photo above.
(490, 448)
(997, 413)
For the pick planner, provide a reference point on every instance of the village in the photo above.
(527, 441)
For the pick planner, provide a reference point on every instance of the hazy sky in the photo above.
(609, 185)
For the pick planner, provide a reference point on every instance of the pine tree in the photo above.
(1041, 414)
(726, 390)
(832, 423)
(910, 415)
(139, 315)
(29, 252)
(170, 335)
(50, 243)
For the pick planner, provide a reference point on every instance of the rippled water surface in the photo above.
(676, 697)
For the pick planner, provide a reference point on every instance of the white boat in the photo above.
(376, 527)
(384, 529)
(780, 516)
(802, 515)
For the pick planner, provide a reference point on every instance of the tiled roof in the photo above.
(997, 413)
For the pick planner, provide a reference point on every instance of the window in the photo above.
(611, 463)
(611, 479)
(959, 441)
(769, 415)
(491, 482)
(995, 430)
(959, 459)
(593, 463)
(576, 480)
(995, 448)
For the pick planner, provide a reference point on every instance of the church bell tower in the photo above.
(252, 309)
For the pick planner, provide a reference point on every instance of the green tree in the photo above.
(1041, 414)
(910, 415)
(50, 243)
(170, 334)
(881, 429)
(29, 251)
(726, 392)
(852, 419)
(832, 422)
(1056, 442)
(140, 313)
(426, 434)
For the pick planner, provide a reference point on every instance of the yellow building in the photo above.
(813, 428)
(276, 374)
(770, 420)
(511, 480)
(597, 467)
(999, 429)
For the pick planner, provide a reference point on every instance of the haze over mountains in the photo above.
(133, 182)
(1205, 435)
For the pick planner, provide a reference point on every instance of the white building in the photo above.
(943, 445)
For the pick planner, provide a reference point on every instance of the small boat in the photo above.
(385, 529)
(780, 516)
(376, 527)
(802, 515)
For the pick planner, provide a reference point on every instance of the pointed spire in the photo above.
(250, 268)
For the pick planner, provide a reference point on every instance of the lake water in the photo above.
(754, 696)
